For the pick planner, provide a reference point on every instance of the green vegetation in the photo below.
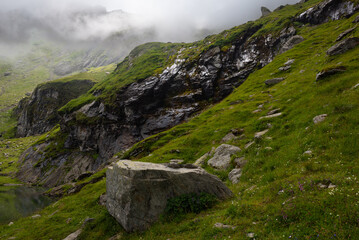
(190, 203)
(10, 151)
(283, 193)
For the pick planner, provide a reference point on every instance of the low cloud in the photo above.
(84, 22)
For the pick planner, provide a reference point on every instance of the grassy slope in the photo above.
(303, 210)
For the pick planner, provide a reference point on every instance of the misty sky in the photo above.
(170, 20)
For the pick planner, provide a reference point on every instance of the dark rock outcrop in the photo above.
(137, 192)
(328, 72)
(327, 10)
(37, 114)
(343, 46)
(265, 11)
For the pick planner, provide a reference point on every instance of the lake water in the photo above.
(20, 201)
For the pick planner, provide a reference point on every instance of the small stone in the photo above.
(285, 68)
(257, 111)
(36, 216)
(68, 220)
(260, 106)
(223, 226)
(235, 175)
(248, 145)
(321, 185)
(10, 224)
(289, 62)
(271, 116)
(319, 118)
(250, 235)
(309, 153)
(274, 111)
(268, 148)
(200, 161)
(229, 137)
(259, 135)
(331, 186)
(74, 235)
(52, 214)
(7, 74)
(237, 132)
(274, 81)
(356, 86)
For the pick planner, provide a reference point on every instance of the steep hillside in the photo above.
(43, 62)
(172, 82)
(295, 117)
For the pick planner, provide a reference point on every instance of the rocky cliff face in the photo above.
(37, 114)
(154, 104)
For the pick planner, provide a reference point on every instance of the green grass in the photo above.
(278, 196)
(10, 151)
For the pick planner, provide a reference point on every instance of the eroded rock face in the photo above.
(137, 192)
(37, 114)
(327, 10)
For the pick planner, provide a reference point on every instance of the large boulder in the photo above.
(222, 156)
(137, 192)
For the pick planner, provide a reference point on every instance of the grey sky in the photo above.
(170, 20)
(214, 12)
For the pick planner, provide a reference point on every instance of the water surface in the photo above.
(20, 201)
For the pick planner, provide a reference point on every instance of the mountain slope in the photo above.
(172, 83)
(301, 177)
